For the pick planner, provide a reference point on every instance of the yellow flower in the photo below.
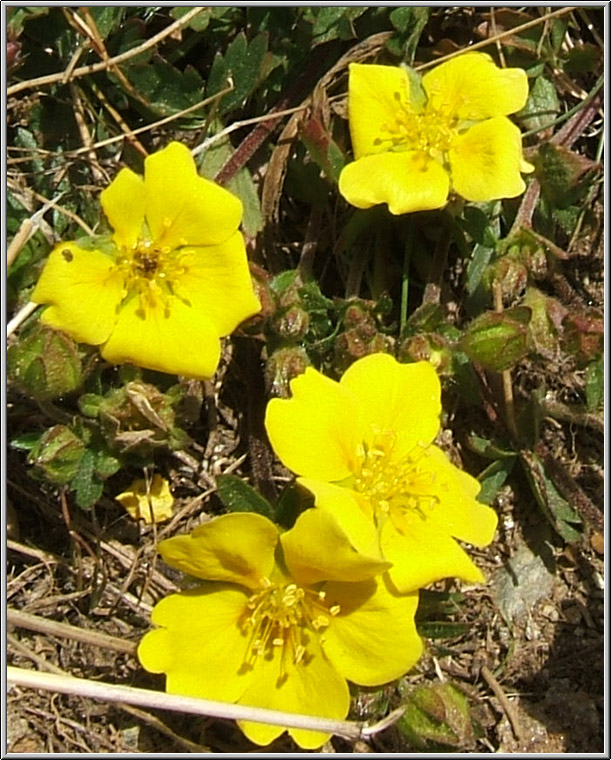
(174, 280)
(364, 448)
(284, 620)
(152, 503)
(413, 147)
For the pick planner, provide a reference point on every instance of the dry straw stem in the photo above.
(63, 630)
(110, 62)
(159, 700)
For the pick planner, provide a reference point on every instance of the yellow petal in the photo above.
(486, 161)
(217, 283)
(403, 398)
(316, 432)
(236, 548)
(183, 208)
(374, 93)
(123, 204)
(199, 645)
(423, 553)
(373, 639)
(352, 514)
(151, 502)
(84, 289)
(180, 340)
(457, 510)
(316, 549)
(472, 87)
(310, 687)
(407, 181)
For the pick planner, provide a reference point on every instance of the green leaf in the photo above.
(238, 496)
(333, 22)
(87, 486)
(480, 258)
(25, 441)
(491, 448)
(477, 225)
(199, 23)
(595, 384)
(493, 477)
(555, 507)
(409, 21)
(443, 629)
(243, 63)
(166, 89)
(292, 502)
(542, 105)
(107, 18)
(241, 184)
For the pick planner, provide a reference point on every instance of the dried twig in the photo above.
(506, 705)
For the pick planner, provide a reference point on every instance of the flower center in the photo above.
(150, 272)
(428, 131)
(393, 485)
(282, 619)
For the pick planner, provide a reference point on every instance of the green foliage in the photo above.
(238, 496)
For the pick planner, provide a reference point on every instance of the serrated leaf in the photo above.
(243, 62)
(165, 88)
(238, 496)
(333, 22)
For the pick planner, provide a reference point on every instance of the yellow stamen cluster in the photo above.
(279, 618)
(427, 132)
(389, 482)
(150, 271)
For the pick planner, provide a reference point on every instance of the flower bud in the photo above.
(282, 366)
(498, 340)
(45, 364)
(293, 324)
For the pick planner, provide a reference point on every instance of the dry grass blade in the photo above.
(153, 699)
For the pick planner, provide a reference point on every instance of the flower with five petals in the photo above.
(413, 145)
(364, 447)
(173, 279)
(281, 622)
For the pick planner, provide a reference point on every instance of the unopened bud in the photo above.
(498, 340)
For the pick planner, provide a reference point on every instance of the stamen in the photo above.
(281, 619)
(391, 483)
